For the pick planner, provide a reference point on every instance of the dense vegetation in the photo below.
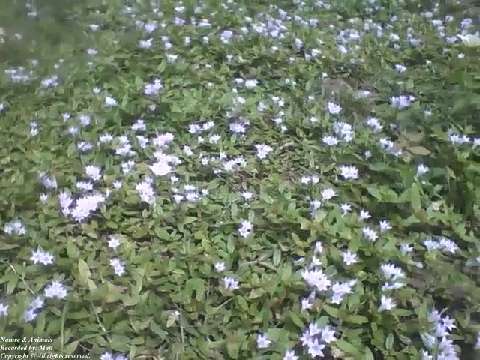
(241, 179)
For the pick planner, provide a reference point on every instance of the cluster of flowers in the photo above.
(14, 227)
(81, 208)
(342, 132)
(113, 356)
(438, 341)
(395, 279)
(315, 339)
(42, 257)
(190, 193)
(320, 282)
(460, 139)
(54, 290)
(441, 243)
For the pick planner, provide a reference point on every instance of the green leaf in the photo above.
(415, 197)
(419, 150)
(330, 310)
(120, 343)
(389, 342)
(196, 285)
(348, 348)
(233, 345)
(84, 275)
(70, 348)
(6, 246)
(368, 354)
(355, 319)
(276, 256)
(296, 320)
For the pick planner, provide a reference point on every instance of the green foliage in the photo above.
(171, 302)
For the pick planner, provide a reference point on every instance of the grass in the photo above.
(358, 219)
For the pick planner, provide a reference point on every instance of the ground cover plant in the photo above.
(241, 179)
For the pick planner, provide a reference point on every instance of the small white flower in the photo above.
(145, 44)
(374, 123)
(263, 150)
(93, 172)
(105, 138)
(152, 89)
(317, 279)
(84, 146)
(306, 304)
(42, 257)
(114, 241)
(110, 101)
(237, 128)
(330, 140)
(328, 334)
(14, 227)
(263, 341)
(84, 185)
(290, 355)
(146, 192)
(327, 194)
(315, 205)
(118, 266)
(250, 83)
(387, 304)
(333, 108)
(55, 290)
(349, 172)
(346, 208)
(84, 119)
(161, 168)
(422, 169)
(401, 102)
(316, 261)
(163, 140)
(48, 181)
(369, 233)
(364, 215)
(247, 195)
(340, 290)
(349, 258)
(316, 349)
(406, 248)
(3, 309)
(29, 315)
(384, 225)
(33, 128)
(245, 228)
(107, 356)
(392, 272)
(305, 180)
(139, 125)
(214, 139)
(230, 283)
(448, 245)
(220, 266)
(471, 40)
